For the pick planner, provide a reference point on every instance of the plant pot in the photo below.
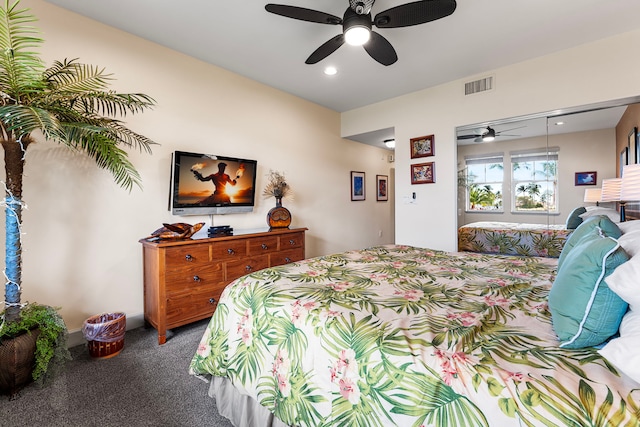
(17, 360)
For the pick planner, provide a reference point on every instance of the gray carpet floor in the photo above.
(145, 385)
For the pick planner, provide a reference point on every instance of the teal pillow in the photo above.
(584, 311)
(603, 222)
(574, 220)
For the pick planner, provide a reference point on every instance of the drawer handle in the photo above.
(292, 242)
(196, 278)
(263, 246)
(231, 251)
(188, 257)
(212, 300)
(248, 268)
(287, 259)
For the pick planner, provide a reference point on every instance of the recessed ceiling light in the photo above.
(330, 71)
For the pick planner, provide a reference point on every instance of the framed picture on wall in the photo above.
(423, 173)
(633, 146)
(624, 159)
(357, 185)
(586, 178)
(382, 188)
(422, 146)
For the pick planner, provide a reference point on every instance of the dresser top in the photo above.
(202, 237)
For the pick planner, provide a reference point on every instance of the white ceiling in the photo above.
(479, 36)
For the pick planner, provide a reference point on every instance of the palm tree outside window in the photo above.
(534, 181)
(484, 177)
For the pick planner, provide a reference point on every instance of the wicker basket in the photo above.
(105, 334)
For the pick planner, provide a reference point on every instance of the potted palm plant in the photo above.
(69, 103)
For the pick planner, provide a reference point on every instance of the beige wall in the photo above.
(579, 152)
(81, 249)
(565, 79)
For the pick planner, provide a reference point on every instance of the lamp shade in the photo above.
(611, 189)
(630, 188)
(592, 195)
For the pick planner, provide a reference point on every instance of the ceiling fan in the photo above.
(357, 22)
(488, 134)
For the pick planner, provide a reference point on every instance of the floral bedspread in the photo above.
(403, 336)
(511, 238)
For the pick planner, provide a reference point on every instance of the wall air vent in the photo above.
(476, 86)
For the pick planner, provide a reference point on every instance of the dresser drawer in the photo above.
(197, 303)
(179, 278)
(229, 249)
(291, 241)
(263, 245)
(194, 255)
(236, 269)
(285, 257)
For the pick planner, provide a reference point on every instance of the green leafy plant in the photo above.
(51, 344)
(69, 103)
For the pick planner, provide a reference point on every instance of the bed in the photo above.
(511, 238)
(403, 336)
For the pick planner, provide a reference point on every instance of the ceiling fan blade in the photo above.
(303, 14)
(326, 49)
(469, 136)
(417, 12)
(507, 130)
(380, 49)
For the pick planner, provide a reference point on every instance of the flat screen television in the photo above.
(204, 184)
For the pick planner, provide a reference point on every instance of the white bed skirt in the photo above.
(240, 409)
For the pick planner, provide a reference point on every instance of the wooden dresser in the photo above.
(183, 280)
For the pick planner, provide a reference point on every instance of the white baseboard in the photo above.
(76, 337)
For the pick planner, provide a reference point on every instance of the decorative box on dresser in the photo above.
(183, 279)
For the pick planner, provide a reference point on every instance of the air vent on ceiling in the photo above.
(476, 86)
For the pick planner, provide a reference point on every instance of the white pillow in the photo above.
(613, 214)
(628, 226)
(630, 242)
(623, 352)
(625, 281)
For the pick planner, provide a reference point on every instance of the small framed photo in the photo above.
(423, 146)
(423, 173)
(382, 188)
(586, 178)
(357, 185)
(624, 159)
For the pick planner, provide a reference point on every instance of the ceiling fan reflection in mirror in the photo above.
(488, 134)
(357, 23)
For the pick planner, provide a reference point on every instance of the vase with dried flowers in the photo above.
(279, 216)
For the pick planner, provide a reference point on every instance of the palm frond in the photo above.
(20, 64)
(71, 76)
(104, 150)
(21, 120)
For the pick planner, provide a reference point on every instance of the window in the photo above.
(483, 182)
(534, 180)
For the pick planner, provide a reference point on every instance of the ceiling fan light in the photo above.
(390, 143)
(357, 35)
(489, 136)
